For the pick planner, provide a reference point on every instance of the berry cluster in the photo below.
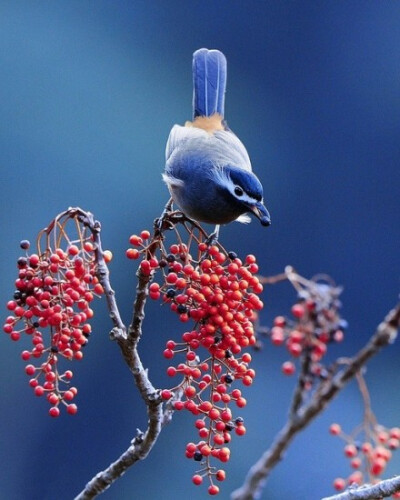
(369, 451)
(219, 293)
(51, 305)
(315, 323)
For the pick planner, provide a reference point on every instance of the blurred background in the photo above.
(88, 93)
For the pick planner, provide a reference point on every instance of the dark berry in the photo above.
(229, 426)
(22, 262)
(24, 244)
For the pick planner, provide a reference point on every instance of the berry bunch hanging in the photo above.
(52, 307)
(369, 447)
(218, 293)
(315, 322)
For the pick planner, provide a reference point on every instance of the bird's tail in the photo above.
(209, 82)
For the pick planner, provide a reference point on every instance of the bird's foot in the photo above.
(213, 237)
(163, 221)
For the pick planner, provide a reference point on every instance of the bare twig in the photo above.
(257, 475)
(298, 397)
(383, 489)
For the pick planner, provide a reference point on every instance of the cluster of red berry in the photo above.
(219, 292)
(315, 323)
(369, 456)
(51, 305)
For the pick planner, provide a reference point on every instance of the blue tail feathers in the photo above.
(209, 82)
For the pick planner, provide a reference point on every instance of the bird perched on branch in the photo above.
(208, 171)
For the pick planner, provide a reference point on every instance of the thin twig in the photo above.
(298, 396)
(257, 475)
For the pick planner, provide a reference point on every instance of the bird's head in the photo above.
(245, 191)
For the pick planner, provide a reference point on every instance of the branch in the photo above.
(257, 475)
(370, 492)
(143, 442)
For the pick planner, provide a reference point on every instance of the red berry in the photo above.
(220, 475)
(34, 260)
(378, 466)
(54, 411)
(168, 353)
(335, 429)
(214, 414)
(15, 336)
(30, 369)
(240, 430)
(226, 415)
(107, 254)
(190, 391)
(166, 394)
(280, 321)
(277, 335)
(298, 311)
(39, 390)
(135, 240)
(197, 479)
(132, 253)
(73, 250)
(145, 235)
(213, 489)
(350, 450)
(339, 484)
(69, 395)
(72, 409)
(288, 368)
(53, 398)
(171, 371)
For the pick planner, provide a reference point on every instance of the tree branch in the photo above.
(143, 442)
(383, 489)
(257, 475)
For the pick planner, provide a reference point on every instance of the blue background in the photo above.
(88, 93)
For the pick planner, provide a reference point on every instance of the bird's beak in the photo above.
(261, 213)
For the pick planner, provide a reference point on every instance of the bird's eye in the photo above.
(238, 191)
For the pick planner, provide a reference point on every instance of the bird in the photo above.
(208, 170)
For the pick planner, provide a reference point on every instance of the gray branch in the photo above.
(384, 489)
(128, 342)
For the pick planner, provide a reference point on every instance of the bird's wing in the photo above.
(223, 147)
(180, 135)
(232, 147)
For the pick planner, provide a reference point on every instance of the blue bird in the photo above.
(208, 171)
